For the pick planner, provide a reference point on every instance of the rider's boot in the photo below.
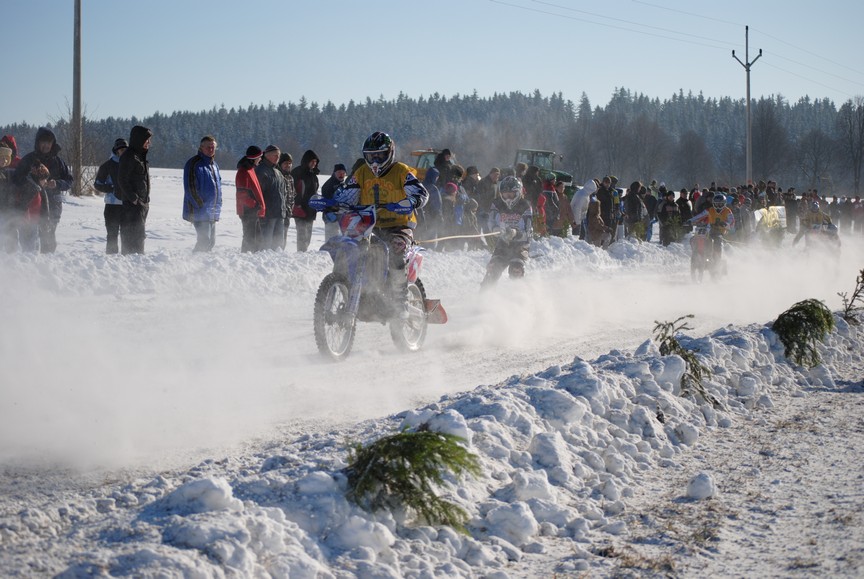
(399, 296)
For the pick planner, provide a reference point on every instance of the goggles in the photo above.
(377, 157)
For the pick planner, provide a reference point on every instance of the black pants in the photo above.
(251, 231)
(133, 232)
(506, 255)
(48, 234)
(113, 222)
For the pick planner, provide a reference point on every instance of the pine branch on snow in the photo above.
(800, 327)
(403, 469)
(851, 306)
(691, 380)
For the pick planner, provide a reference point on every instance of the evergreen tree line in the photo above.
(684, 140)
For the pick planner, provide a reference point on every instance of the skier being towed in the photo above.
(511, 215)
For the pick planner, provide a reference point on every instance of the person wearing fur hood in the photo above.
(46, 152)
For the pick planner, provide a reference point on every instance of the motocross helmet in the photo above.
(719, 201)
(814, 207)
(379, 150)
(510, 190)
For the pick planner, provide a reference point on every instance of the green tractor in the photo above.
(545, 160)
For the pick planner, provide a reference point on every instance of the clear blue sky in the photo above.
(160, 55)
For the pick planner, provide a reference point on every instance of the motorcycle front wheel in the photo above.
(697, 268)
(333, 323)
(409, 335)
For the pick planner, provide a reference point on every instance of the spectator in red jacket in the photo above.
(250, 199)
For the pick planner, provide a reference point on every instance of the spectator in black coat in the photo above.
(669, 216)
(444, 162)
(275, 193)
(305, 186)
(106, 183)
(133, 176)
(685, 210)
(328, 189)
(533, 184)
(46, 152)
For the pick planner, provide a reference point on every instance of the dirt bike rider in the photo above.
(718, 216)
(512, 215)
(812, 220)
(384, 181)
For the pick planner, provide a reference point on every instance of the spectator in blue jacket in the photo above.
(202, 201)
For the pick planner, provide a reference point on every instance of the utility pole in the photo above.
(77, 124)
(749, 130)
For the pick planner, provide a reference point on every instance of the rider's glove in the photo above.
(508, 234)
(319, 203)
(404, 207)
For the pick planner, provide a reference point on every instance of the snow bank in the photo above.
(561, 453)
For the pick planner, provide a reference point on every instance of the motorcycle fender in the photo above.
(338, 243)
(435, 313)
(415, 260)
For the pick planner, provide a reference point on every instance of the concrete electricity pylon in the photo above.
(77, 122)
(747, 66)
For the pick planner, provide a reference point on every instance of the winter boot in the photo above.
(399, 296)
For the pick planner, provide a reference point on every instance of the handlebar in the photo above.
(319, 203)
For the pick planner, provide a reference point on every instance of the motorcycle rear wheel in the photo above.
(697, 268)
(409, 335)
(334, 326)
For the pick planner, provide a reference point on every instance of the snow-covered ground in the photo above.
(168, 415)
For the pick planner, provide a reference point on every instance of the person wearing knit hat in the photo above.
(275, 193)
(305, 186)
(669, 217)
(253, 152)
(250, 199)
(286, 165)
(106, 183)
(119, 145)
(328, 190)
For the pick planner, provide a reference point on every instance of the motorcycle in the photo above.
(357, 288)
(822, 237)
(702, 255)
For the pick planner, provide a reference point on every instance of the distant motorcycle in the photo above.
(357, 288)
(823, 237)
(702, 255)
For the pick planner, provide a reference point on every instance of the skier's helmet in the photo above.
(719, 201)
(379, 151)
(814, 207)
(510, 190)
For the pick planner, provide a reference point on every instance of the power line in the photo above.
(812, 54)
(636, 30)
(687, 13)
(768, 64)
(771, 36)
(643, 29)
(817, 69)
(640, 24)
